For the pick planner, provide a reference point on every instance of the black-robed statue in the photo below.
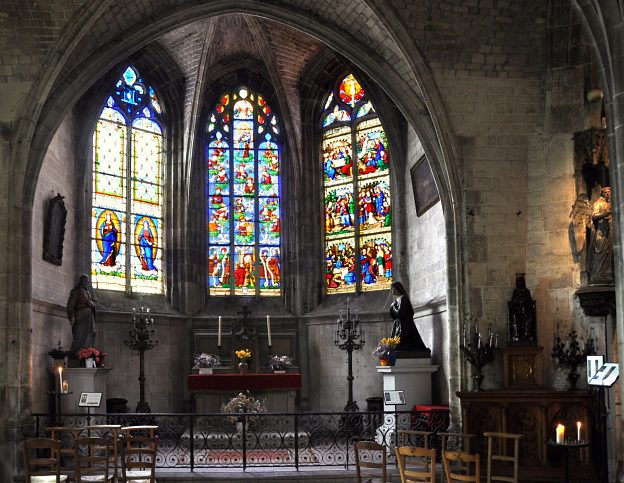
(402, 313)
(522, 315)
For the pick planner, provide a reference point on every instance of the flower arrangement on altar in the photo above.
(243, 355)
(92, 353)
(205, 360)
(280, 363)
(385, 350)
(243, 403)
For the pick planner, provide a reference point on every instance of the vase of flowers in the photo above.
(204, 362)
(243, 357)
(279, 364)
(385, 352)
(90, 357)
(240, 407)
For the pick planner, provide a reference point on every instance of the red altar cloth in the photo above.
(241, 382)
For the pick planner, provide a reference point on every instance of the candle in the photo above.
(219, 333)
(60, 370)
(578, 430)
(65, 387)
(269, 329)
(496, 341)
(560, 432)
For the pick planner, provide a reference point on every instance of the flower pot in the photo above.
(279, 371)
(384, 362)
(89, 363)
(392, 358)
(242, 367)
(205, 370)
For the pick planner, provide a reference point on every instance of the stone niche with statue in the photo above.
(590, 229)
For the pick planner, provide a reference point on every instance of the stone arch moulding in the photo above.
(420, 103)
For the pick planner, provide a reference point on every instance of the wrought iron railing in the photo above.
(251, 440)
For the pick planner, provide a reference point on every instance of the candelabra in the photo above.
(142, 338)
(573, 352)
(478, 352)
(349, 336)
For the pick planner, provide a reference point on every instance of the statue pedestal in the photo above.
(413, 377)
(81, 379)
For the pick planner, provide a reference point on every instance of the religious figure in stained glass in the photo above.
(358, 212)
(110, 237)
(147, 244)
(243, 156)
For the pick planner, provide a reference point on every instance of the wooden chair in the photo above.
(463, 444)
(113, 433)
(140, 450)
(457, 466)
(370, 460)
(425, 471)
(93, 460)
(42, 469)
(66, 437)
(420, 439)
(502, 456)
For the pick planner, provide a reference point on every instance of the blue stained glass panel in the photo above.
(218, 220)
(244, 225)
(340, 266)
(218, 168)
(270, 225)
(270, 270)
(219, 270)
(244, 270)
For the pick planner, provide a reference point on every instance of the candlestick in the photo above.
(219, 333)
(578, 430)
(560, 431)
(269, 329)
(60, 371)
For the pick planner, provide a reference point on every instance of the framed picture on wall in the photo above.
(425, 190)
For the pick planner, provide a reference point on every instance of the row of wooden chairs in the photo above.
(136, 446)
(458, 466)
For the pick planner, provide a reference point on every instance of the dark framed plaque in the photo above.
(54, 230)
(425, 190)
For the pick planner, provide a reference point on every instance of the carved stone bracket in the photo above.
(597, 301)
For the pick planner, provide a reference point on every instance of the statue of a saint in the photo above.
(600, 241)
(81, 315)
(522, 315)
(402, 313)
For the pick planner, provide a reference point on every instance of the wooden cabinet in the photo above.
(534, 413)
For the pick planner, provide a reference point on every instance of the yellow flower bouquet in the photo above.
(243, 355)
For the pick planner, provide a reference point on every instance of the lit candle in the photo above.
(269, 329)
(560, 432)
(219, 333)
(65, 387)
(60, 369)
(578, 430)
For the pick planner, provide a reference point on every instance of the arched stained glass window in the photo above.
(127, 203)
(243, 203)
(358, 215)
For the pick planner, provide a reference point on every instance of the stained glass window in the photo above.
(127, 203)
(243, 203)
(358, 215)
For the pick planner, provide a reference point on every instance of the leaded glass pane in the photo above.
(128, 152)
(340, 266)
(357, 202)
(243, 212)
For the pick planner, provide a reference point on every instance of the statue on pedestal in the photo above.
(600, 241)
(402, 313)
(522, 315)
(81, 315)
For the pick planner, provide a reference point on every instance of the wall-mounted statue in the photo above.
(522, 315)
(590, 231)
(402, 314)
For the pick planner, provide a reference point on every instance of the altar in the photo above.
(278, 392)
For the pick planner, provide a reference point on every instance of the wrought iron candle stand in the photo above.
(573, 351)
(349, 336)
(142, 338)
(478, 352)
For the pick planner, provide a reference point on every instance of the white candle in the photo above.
(219, 333)
(269, 329)
(560, 433)
(578, 430)
(60, 369)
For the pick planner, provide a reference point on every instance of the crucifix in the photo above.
(244, 328)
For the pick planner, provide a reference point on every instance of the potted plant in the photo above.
(243, 355)
(205, 362)
(279, 364)
(243, 403)
(385, 351)
(91, 357)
